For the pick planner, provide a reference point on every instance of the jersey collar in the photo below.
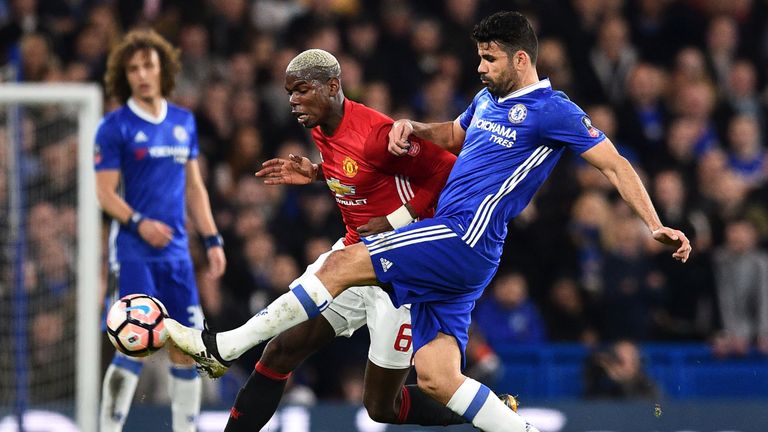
(144, 115)
(527, 89)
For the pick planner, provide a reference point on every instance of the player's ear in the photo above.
(521, 59)
(334, 85)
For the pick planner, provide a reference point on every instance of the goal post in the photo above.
(80, 104)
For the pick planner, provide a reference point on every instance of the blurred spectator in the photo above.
(722, 46)
(688, 310)
(643, 117)
(243, 159)
(377, 96)
(589, 217)
(37, 60)
(617, 373)
(91, 49)
(508, 316)
(426, 41)
(604, 118)
(439, 100)
(690, 66)
(747, 158)
(741, 274)
(197, 65)
(24, 20)
(741, 97)
(554, 64)
(273, 15)
(213, 123)
(569, 318)
(397, 24)
(229, 27)
(612, 58)
(362, 39)
(696, 101)
(654, 30)
(631, 285)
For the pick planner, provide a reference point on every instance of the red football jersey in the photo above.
(366, 180)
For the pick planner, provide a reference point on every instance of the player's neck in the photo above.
(330, 126)
(530, 77)
(153, 105)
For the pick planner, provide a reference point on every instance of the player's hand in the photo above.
(156, 233)
(676, 238)
(295, 170)
(217, 262)
(375, 225)
(398, 137)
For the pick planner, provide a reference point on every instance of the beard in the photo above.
(498, 88)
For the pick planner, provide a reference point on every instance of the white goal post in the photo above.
(87, 100)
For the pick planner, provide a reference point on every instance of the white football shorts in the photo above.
(389, 327)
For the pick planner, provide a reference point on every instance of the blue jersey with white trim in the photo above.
(151, 155)
(511, 145)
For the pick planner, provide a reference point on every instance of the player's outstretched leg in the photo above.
(306, 299)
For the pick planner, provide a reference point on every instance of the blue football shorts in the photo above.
(171, 282)
(427, 265)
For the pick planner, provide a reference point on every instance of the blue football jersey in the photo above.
(151, 155)
(511, 145)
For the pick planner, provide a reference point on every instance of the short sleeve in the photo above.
(194, 148)
(108, 146)
(569, 125)
(465, 119)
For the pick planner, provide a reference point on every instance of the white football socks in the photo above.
(117, 392)
(307, 298)
(480, 406)
(185, 389)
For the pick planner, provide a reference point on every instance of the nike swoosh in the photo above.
(322, 305)
(143, 308)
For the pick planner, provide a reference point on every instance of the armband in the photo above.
(213, 241)
(400, 217)
(134, 220)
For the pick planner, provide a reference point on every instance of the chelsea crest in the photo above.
(517, 113)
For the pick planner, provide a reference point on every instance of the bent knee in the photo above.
(439, 386)
(347, 267)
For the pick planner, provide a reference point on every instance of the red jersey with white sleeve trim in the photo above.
(366, 180)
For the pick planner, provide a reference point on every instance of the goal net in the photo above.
(49, 256)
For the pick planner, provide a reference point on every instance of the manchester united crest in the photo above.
(349, 166)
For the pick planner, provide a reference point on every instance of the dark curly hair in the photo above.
(115, 78)
(511, 30)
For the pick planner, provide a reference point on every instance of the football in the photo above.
(135, 325)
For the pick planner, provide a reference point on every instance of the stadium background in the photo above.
(680, 87)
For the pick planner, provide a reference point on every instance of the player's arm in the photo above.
(154, 232)
(200, 213)
(448, 135)
(619, 171)
(427, 166)
(295, 170)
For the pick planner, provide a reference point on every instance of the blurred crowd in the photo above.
(680, 86)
